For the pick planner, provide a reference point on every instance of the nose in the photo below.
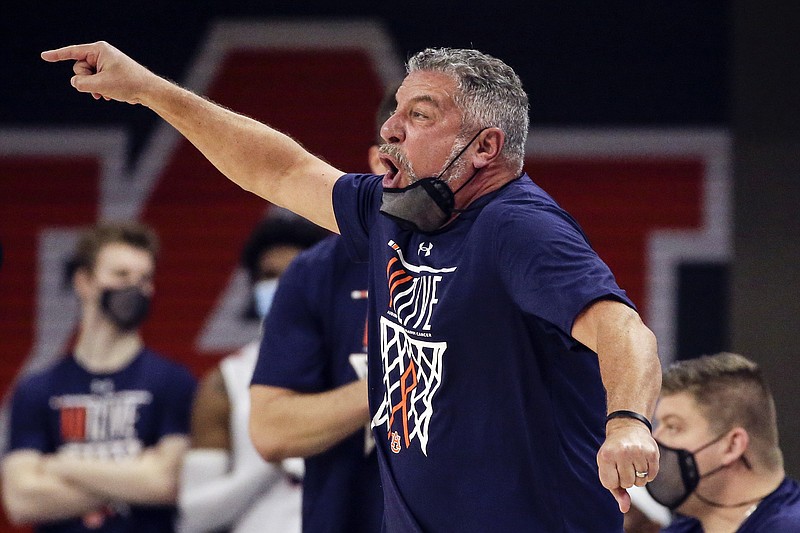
(392, 131)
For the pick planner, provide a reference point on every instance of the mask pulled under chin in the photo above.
(425, 206)
(126, 307)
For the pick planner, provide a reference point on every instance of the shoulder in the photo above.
(523, 209)
(41, 381)
(783, 508)
(157, 364)
(321, 262)
(322, 252)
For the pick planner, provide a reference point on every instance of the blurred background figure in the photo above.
(309, 390)
(225, 484)
(721, 463)
(97, 439)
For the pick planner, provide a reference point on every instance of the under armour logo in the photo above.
(425, 247)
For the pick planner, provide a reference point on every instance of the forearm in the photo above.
(217, 503)
(629, 365)
(136, 481)
(254, 156)
(148, 479)
(301, 425)
(31, 496)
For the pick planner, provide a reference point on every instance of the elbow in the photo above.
(165, 490)
(269, 444)
(18, 512)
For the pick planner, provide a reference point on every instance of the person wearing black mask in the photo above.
(97, 439)
(721, 465)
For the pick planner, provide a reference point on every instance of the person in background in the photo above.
(510, 377)
(309, 391)
(96, 440)
(721, 463)
(645, 515)
(225, 484)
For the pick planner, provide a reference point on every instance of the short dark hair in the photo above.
(92, 240)
(274, 231)
(730, 391)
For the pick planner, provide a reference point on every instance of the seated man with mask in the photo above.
(721, 465)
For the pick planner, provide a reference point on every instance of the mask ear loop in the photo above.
(473, 174)
(705, 500)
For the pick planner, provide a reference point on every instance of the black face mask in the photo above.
(678, 477)
(427, 204)
(126, 307)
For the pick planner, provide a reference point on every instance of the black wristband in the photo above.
(630, 414)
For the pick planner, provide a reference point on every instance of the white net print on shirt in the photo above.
(412, 375)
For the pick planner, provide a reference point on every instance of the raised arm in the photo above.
(285, 423)
(149, 479)
(31, 495)
(254, 156)
(631, 374)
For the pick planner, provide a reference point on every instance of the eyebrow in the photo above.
(671, 416)
(424, 98)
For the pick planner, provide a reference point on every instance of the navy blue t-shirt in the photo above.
(487, 415)
(115, 415)
(314, 341)
(777, 513)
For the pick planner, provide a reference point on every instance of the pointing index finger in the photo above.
(77, 52)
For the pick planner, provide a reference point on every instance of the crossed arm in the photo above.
(46, 487)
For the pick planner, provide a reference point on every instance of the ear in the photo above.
(738, 441)
(375, 165)
(490, 144)
(81, 282)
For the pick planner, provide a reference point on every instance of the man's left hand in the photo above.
(628, 457)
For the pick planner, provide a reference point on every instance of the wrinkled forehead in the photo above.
(425, 85)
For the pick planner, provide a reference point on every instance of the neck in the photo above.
(488, 180)
(102, 348)
(736, 501)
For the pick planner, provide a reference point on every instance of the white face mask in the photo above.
(264, 293)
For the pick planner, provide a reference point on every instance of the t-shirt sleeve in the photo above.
(177, 408)
(291, 353)
(28, 426)
(356, 202)
(548, 266)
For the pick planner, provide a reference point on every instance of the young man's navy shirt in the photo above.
(68, 409)
(777, 513)
(487, 415)
(314, 341)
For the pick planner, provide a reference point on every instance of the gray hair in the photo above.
(490, 94)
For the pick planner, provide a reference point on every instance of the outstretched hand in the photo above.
(103, 71)
(629, 448)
